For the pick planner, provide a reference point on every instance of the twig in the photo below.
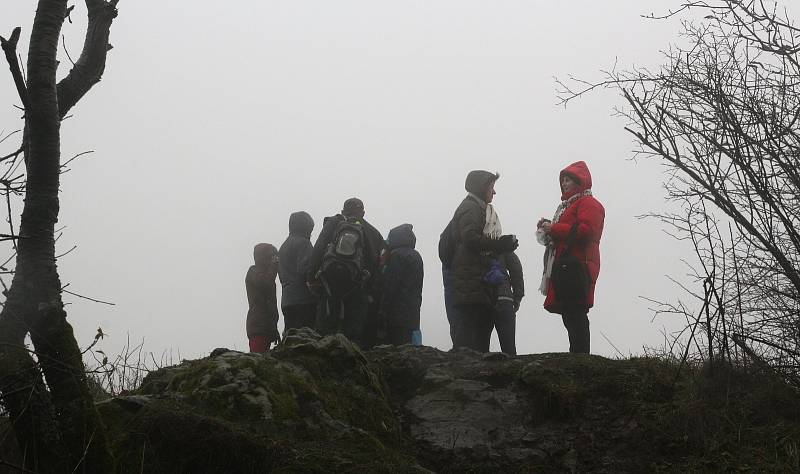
(612, 344)
(87, 298)
(67, 252)
(85, 452)
(13, 154)
(11, 134)
(10, 215)
(76, 156)
(14, 466)
(64, 44)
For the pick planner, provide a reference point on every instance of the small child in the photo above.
(402, 287)
(262, 314)
(508, 296)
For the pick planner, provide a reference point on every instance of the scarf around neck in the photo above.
(491, 227)
(547, 241)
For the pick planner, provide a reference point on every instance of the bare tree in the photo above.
(722, 115)
(45, 390)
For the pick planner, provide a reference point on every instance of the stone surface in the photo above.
(319, 404)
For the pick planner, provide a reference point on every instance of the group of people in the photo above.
(350, 281)
(354, 282)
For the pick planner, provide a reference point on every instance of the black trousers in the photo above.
(505, 323)
(347, 315)
(452, 313)
(299, 316)
(475, 327)
(398, 335)
(577, 323)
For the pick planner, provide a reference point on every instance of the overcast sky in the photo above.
(215, 120)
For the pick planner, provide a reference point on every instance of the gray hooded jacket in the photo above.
(294, 258)
(470, 261)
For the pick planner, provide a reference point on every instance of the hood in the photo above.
(478, 182)
(263, 253)
(401, 236)
(301, 223)
(579, 171)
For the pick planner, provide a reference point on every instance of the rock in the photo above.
(319, 404)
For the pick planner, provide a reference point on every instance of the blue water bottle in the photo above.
(416, 337)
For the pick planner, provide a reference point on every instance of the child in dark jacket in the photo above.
(508, 296)
(262, 313)
(402, 287)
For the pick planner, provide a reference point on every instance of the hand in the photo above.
(315, 287)
(546, 227)
(541, 221)
(507, 243)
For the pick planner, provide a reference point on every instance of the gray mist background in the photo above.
(215, 120)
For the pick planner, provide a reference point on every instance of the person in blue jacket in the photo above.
(402, 287)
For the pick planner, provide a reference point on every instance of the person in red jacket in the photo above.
(578, 209)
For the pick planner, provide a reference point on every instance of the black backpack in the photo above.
(343, 267)
(447, 244)
(569, 276)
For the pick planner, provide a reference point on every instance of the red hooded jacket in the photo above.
(589, 214)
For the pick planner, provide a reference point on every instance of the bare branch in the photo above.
(89, 67)
(10, 49)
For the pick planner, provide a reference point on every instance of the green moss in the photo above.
(330, 410)
(326, 413)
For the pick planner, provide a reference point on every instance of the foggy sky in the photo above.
(215, 120)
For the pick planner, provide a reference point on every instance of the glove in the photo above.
(315, 287)
(507, 243)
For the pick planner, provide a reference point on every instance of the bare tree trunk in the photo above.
(56, 424)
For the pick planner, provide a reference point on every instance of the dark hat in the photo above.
(353, 207)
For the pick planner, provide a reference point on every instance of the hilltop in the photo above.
(318, 404)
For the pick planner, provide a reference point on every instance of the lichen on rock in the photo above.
(319, 404)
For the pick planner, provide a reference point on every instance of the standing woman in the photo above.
(580, 211)
(477, 236)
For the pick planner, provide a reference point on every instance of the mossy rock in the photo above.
(319, 404)
(315, 405)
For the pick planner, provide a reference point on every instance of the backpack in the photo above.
(343, 267)
(447, 244)
(570, 276)
(496, 275)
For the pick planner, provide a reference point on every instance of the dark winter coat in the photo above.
(471, 259)
(374, 245)
(262, 313)
(294, 258)
(513, 289)
(590, 215)
(402, 279)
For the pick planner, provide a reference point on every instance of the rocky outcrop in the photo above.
(318, 404)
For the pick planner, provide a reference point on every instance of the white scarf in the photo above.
(492, 228)
(547, 241)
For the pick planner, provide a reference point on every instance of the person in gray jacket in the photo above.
(472, 258)
(298, 305)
